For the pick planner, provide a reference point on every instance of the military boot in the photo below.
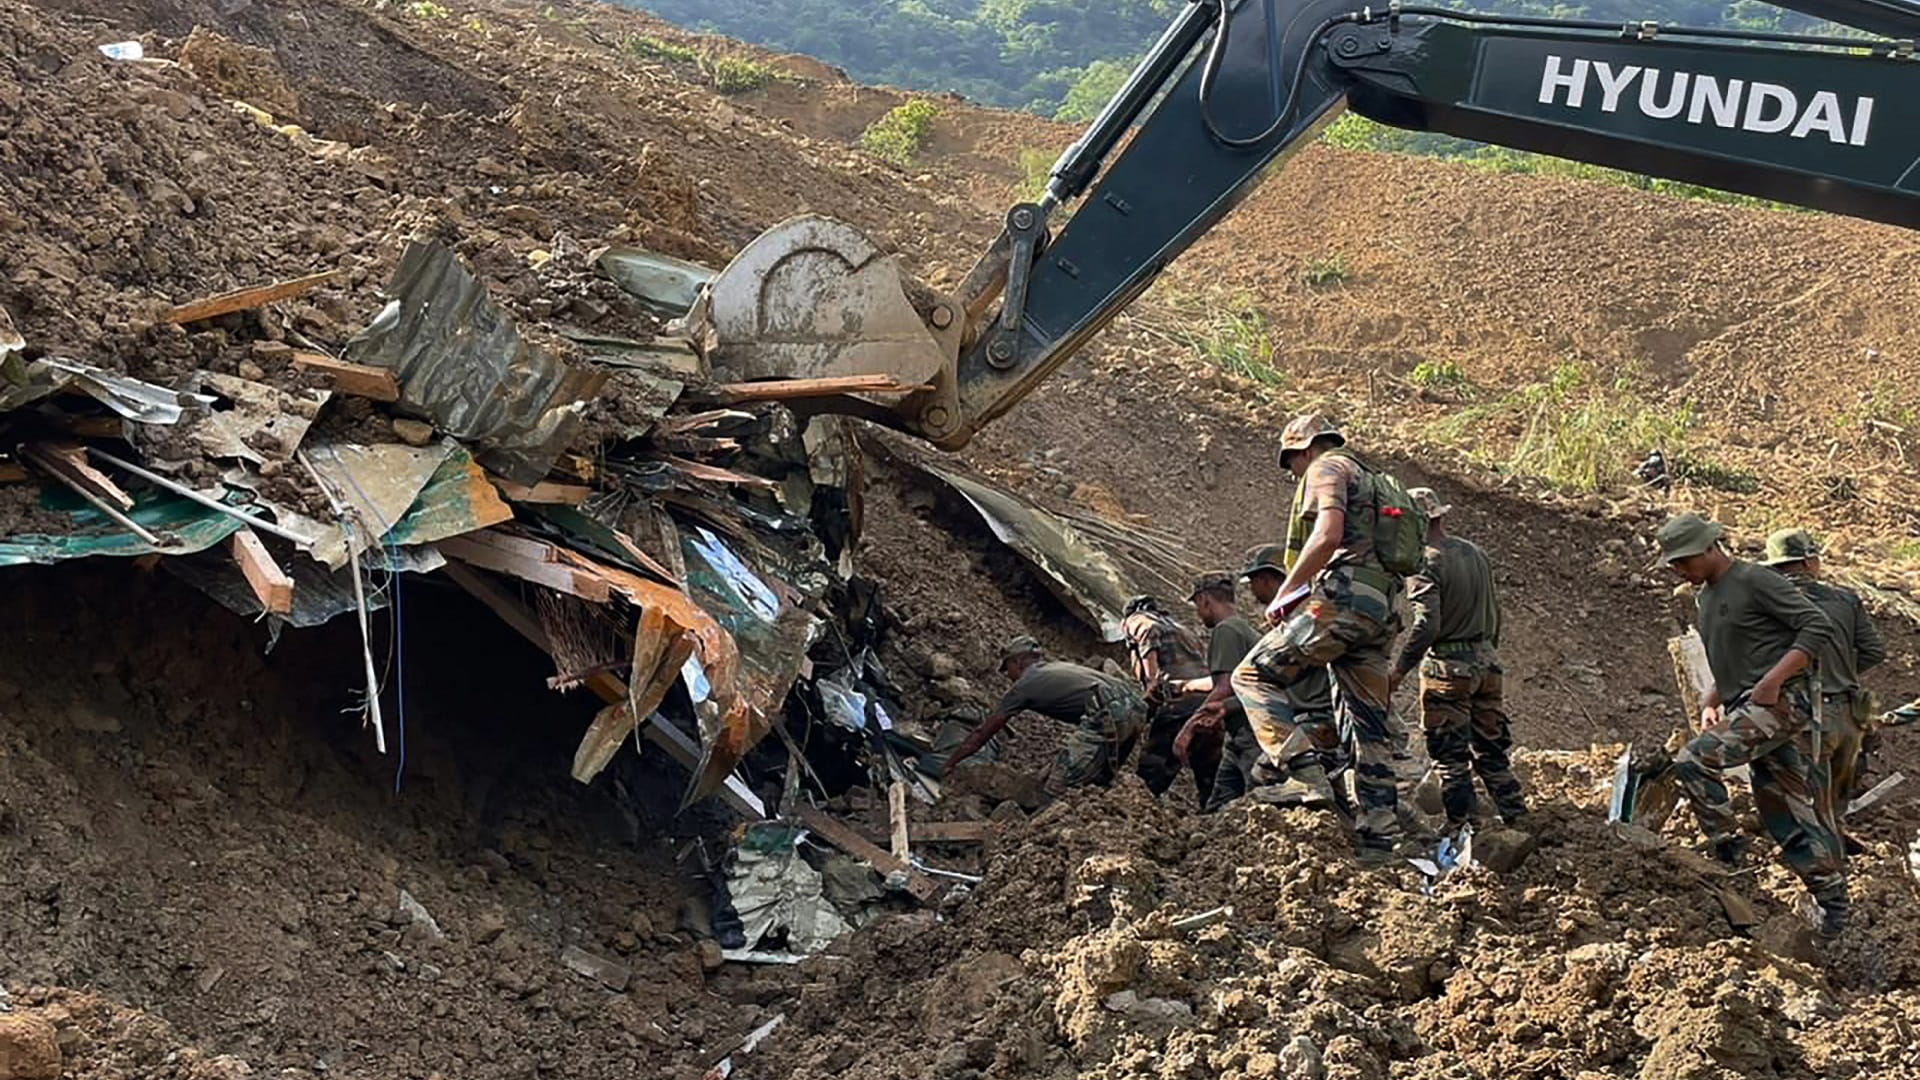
(1833, 917)
(1307, 785)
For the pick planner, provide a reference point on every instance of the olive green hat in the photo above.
(1015, 648)
(1687, 535)
(1790, 546)
(1265, 557)
(1302, 430)
(1216, 581)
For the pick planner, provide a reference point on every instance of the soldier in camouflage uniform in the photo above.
(1761, 635)
(1454, 642)
(1229, 639)
(1168, 660)
(1335, 610)
(1848, 712)
(1104, 714)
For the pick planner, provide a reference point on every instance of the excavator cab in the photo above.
(1820, 120)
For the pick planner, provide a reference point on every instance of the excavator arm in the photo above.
(1828, 122)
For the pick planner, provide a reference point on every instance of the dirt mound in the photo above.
(1594, 959)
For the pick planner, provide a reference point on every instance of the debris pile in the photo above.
(1118, 936)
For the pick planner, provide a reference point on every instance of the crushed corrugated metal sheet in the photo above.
(188, 526)
(463, 365)
(663, 284)
(23, 382)
(1082, 575)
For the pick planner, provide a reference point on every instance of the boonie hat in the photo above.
(1687, 535)
(1790, 546)
(1302, 430)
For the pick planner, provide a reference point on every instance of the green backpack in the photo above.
(1399, 525)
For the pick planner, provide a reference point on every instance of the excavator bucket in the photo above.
(814, 298)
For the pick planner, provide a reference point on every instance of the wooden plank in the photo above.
(67, 462)
(1690, 673)
(714, 473)
(545, 492)
(660, 647)
(945, 832)
(897, 815)
(270, 584)
(514, 564)
(96, 427)
(837, 833)
(791, 389)
(609, 687)
(12, 472)
(243, 299)
(359, 380)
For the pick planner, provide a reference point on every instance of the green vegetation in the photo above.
(1229, 332)
(1056, 56)
(1443, 376)
(1705, 473)
(653, 48)
(902, 132)
(736, 75)
(1322, 272)
(1036, 166)
(427, 9)
(1576, 434)
(1881, 409)
(1907, 551)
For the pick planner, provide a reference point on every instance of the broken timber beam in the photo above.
(243, 299)
(528, 560)
(12, 472)
(660, 647)
(793, 389)
(67, 462)
(835, 832)
(897, 814)
(545, 492)
(270, 584)
(358, 380)
(609, 687)
(946, 832)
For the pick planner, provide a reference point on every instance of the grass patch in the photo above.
(653, 48)
(1694, 470)
(1907, 551)
(1230, 333)
(1320, 273)
(1878, 409)
(1355, 132)
(902, 133)
(1035, 166)
(427, 9)
(1442, 376)
(735, 74)
(1576, 433)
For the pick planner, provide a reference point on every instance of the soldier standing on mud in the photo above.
(1761, 637)
(1105, 714)
(1847, 713)
(1229, 639)
(1454, 641)
(1169, 662)
(1345, 624)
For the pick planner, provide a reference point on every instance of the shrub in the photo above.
(902, 133)
(653, 48)
(736, 75)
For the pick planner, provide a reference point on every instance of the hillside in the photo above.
(207, 873)
(1032, 54)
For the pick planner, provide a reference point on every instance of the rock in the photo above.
(1503, 850)
(271, 352)
(712, 957)
(489, 927)
(1007, 812)
(29, 1048)
(942, 666)
(413, 432)
(953, 689)
(1151, 1012)
(252, 371)
(1300, 1060)
(605, 972)
(419, 922)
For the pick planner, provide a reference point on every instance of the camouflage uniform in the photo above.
(1346, 625)
(1177, 655)
(1847, 710)
(1748, 619)
(1105, 716)
(1454, 641)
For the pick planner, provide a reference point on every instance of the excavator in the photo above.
(1826, 121)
